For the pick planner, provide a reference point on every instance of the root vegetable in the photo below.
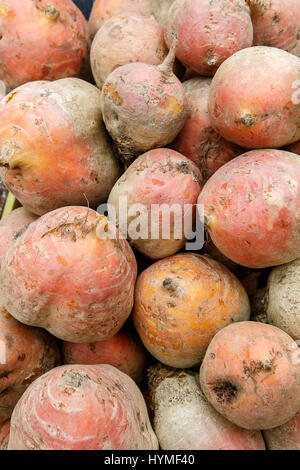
(123, 351)
(4, 434)
(197, 140)
(124, 39)
(13, 225)
(103, 10)
(25, 354)
(208, 32)
(44, 40)
(60, 154)
(251, 208)
(276, 23)
(180, 304)
(71, 274)
(253, 101)
(144, 106)
(82, 408)
(250, 376)
(285, 437)
(282, 298)
(185, 420)
(164, 182)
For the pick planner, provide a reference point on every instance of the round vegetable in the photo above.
(78, 407)
(250, 375)
(253, 100)
(59, 155)
(180, 304)
(208, 32)
(124, 39)
(41, 40)
(251, 207)
(165, 185)
(144, 106)
(71, 274)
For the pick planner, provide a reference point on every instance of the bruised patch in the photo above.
(225, 391)
(169, 103)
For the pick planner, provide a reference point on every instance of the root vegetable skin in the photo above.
(285, 437)
(160, 10)
(123, 351)
(59, 50)
(144, 106)
(251, 208)
(282, 297)
(197, 140)
(124, 39)
(28, 353)
(251, 98)
(60, 155)
(11, 226)
(208, 32)
(180, 304)
(82, 408)
(57, 276)
(103, 10)
(158, 177)
(276, 23)
(185, 420)
(4, 434)
(249, 375)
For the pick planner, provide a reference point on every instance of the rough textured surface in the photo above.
(251, 208)
(82, 408)
(258, 306)
(285, 437)
(53, 148)
(25, 354)
(71, 274)
(123, 351)
(106, 9)
(11, 226)
(4, 434)
(185, 420)
(251, 98)
(276, 23)
(208, 32)
(180, 304)
(282, 298)
(198, 140)
(250, 375)
(158, 177)
(125, 39)
(144, 106)
(41, 40)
